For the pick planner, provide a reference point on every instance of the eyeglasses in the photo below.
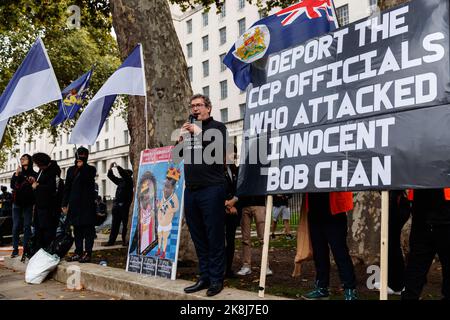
(198, 105)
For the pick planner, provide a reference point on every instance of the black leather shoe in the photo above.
(214, 289)
(199, 285)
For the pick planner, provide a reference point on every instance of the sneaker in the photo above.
(73, 258)
(269, 272)
(289, 237)
(14, 254)
(350, 294)
(377, 286)
(244, 271)
(317, 294)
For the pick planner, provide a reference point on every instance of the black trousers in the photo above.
(399, 213)
(425, 242)
(332, 234)
(84, 238)
(119, 215)
(232, 221)
(205, 217)
(45, 228)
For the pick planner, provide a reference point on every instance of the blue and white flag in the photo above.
(33, 84)
(128, 79)
(288, 27)
(73, 96)
(3, 125)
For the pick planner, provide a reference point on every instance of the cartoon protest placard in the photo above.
(156, 222)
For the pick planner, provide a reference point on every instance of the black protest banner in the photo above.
(364, 108)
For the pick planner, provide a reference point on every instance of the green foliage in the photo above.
(71, 51)
(264, 5)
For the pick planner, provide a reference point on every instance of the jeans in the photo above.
(205, 217)
(27, 213)
(332, 234)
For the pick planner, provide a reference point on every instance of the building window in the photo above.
(34, 145)
(223, 10)
(223, 67)
(205, 18)
(262, 14)
(342, 14)
(205, 65)
(24, 147)
(104, 187)
(224, 115)
(241, 4)
(205, 41)
(241, 111)
(189, 26)
(125, 162)
(105, 169)
(206, 91)
(106, 143)
(97, 146)
(60, 155)
(90, 149)
(373, 6)
(106, 125)
(223, 35)
(223, 90)
(60, 139)
(241, 24)
(67, 153)
(125, 137)
(54, 156)
(190, 73)
(189, 50)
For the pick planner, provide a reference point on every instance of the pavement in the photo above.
(14, 287)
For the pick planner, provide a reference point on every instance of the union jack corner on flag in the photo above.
(288, 27)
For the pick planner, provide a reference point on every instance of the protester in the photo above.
(5, 203)
(281, 208)
(47, 208)
(328, 230)
(430, 235)
(204, 196)
(23, 201)
(79, 204)
(100, 210)
(232, 208)
(122, 202)
(253, 208)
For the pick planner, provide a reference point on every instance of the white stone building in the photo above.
(205, 38)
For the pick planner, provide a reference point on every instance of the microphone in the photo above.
(192, 118)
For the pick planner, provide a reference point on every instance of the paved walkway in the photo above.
(14, 287)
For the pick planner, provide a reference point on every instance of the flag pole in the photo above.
(265, 250)
(384, 242)
(146, 99)
(335, 18)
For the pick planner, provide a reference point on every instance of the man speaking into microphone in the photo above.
(204, 141)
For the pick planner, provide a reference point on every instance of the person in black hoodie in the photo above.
(122, 202)
(23, 201)
(79, 204)
(45, 192)
(430, 235)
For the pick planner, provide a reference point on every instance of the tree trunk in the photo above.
(168, 86)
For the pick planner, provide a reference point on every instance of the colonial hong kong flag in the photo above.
(33, 84)
(288, 27)
(128, 79)
(73, 96)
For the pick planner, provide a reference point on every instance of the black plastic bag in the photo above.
(64, 239)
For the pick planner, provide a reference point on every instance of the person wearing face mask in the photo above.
(46, 208)
(79, 204)
(23, 201)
